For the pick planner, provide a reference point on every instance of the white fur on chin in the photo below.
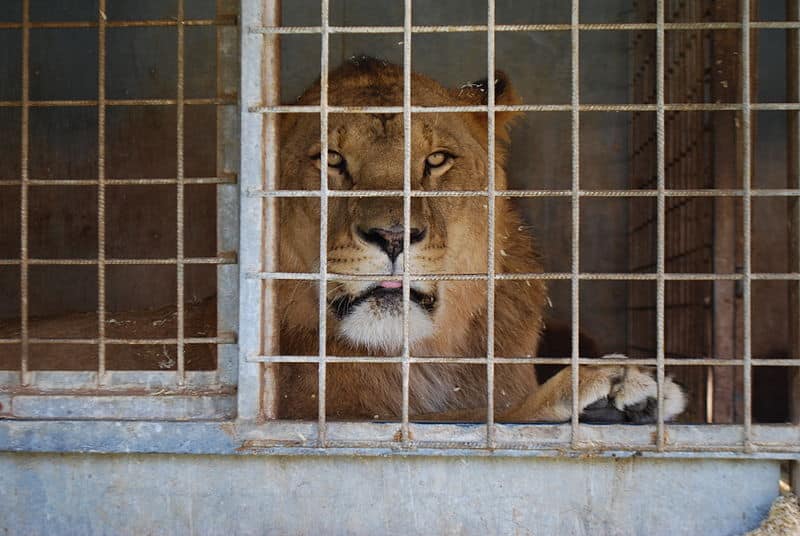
(382, 329)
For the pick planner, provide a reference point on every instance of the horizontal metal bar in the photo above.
(298, 438)
(192, 407)
(223, 339)
(500, 360)
(130, 391)
(229, 179)
(677, 107)
(142, 382)
(542, 436)
(219, 101)
(765, 192)
(227, 21)
(228, 259)
(523, 27)
(291, 276)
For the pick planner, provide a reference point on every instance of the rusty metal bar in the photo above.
(230, 99)
(576, 221)
(25, 179)
(101, 191)
(727, 192)
(407, 137)
(270, 95)
(722, 192)
(586, 276)
(661, 217)
(686, 107)
(671, 26)
(323, 226)
(231, 179)
(222, 21)
(490, 246)
(222, 339)
(227, 259)
(517, 360)
(180, 196)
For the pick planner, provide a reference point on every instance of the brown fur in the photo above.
(455, 243)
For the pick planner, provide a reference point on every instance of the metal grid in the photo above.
(677, 197)
(188, 394)
(689, 221)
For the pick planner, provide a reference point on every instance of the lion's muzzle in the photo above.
(383, 298)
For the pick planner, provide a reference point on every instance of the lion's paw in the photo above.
(632, 398)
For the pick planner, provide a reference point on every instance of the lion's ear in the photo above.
(504, 94)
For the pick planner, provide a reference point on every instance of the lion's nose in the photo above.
(390, 239)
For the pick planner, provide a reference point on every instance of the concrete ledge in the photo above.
(169, 494)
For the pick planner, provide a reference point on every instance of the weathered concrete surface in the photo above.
(230, 495)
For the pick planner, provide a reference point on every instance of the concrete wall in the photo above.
(207, 495)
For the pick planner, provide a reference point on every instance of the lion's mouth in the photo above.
(383, 297)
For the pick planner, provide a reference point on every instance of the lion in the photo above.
(448, 235)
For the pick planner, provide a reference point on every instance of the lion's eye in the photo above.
(437, 159)
(335, 159)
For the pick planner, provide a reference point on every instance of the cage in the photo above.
(654, 156)
(118, 180)
(653, 136)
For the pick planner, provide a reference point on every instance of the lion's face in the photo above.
(448, 235)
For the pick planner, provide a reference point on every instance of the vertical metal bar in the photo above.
(323, 224)
(258, 146)
(101, 192)
(747, 223)
(490, 260)
(792, 181)
(227, 136)
(576, 219)
(633, 131)
(25, 177)
(661, 215)
(270, 94)
(407, 133)
(181, 365)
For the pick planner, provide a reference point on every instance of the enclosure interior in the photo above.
(617, 156)
(617, 152)
(120, 208)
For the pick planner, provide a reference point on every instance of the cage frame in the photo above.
(255, 431)
(752, 438)
(126, 394)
